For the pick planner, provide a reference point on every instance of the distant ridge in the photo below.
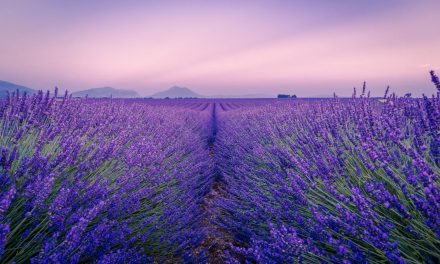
(177, 92)
(106, 92)
(6, 87)
(103, 92)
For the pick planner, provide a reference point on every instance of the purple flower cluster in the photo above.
(336, 180)
(100, 180)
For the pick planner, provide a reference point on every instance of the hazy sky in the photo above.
(222, 47)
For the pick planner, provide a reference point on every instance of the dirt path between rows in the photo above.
(218, 240)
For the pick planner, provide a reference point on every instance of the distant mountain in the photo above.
(175, 92)
(106, 92)
(12, 87)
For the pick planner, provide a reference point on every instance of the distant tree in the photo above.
(293, 96)
(408, 95)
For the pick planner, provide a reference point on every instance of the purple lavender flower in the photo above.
(4, 230)
(435, 80)
(6, 199)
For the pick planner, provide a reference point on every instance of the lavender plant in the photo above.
(99, 180)
(335, 180)
(341, 180)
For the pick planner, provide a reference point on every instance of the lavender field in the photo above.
(341, 180)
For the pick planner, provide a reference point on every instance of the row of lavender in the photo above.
(337, 180)
(113, 181)
(102, 180)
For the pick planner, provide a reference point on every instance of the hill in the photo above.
(12, 87)
(176, 92)
(103, 92)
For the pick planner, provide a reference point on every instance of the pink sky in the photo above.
(234, 47)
